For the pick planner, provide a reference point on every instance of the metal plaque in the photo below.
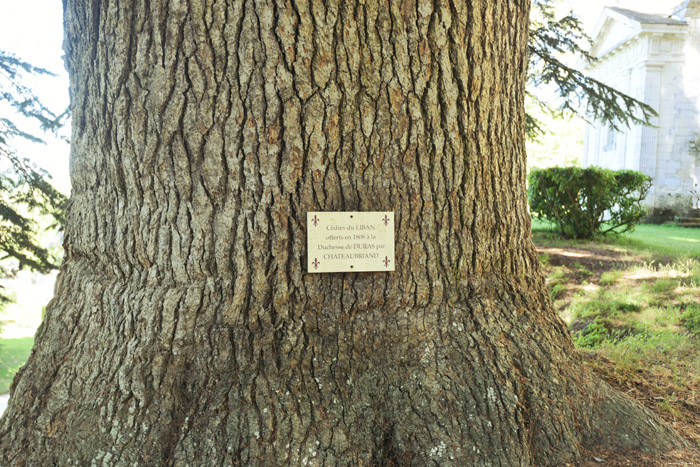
(350, 241)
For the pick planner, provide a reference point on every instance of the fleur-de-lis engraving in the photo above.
(386, 261)
(315, 220)
(386, 219)
(315, 263)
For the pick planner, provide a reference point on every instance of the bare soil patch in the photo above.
(583, 268)
(595, 260)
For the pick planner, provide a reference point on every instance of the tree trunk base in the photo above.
(378, 388)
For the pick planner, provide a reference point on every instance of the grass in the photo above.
(667, 239)
(691, 318)
(13, 354)
(610, 277)
(632, 304)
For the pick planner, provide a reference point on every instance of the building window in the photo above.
(609, 138)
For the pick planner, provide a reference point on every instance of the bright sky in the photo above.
(33, 31)
(589, 10)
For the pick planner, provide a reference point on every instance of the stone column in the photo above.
(649, 143)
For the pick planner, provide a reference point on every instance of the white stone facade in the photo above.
(655, 59)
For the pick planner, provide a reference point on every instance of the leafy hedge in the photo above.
(580, 200)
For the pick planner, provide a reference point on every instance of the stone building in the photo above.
(656, 59)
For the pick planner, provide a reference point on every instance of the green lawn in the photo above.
(660, 239)
(666, 238)
(13, 354)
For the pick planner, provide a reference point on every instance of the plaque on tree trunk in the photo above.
(350, 241)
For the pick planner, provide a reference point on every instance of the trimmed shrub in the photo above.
(590, 201)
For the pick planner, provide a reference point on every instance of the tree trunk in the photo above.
(185, 330)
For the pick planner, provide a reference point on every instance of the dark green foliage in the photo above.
(556, 291)
(551, 39)
(593, 334)
(581, 200)
(25, 190)
(600, 331)
(691, 318)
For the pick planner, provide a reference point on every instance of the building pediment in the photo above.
(618, 26)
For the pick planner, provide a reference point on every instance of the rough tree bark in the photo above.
(184, 330)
